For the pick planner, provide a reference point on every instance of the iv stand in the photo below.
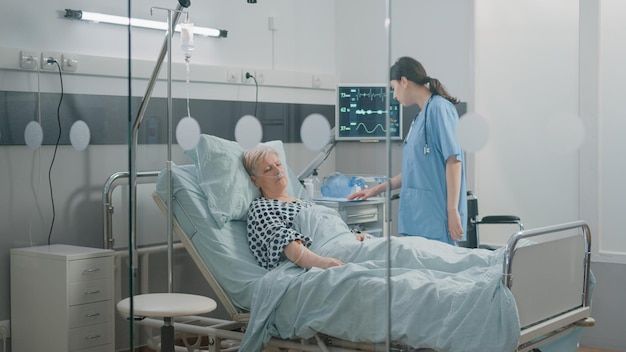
(170, 237)
(172, 20)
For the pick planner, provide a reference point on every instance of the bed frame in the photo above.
(530, 272)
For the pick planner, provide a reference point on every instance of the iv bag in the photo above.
(186, 36)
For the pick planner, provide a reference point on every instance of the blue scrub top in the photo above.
(423, 196)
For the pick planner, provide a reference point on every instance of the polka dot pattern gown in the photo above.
(270, 229)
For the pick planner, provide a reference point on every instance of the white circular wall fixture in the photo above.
(188, 133)
(315, 132)
(248, 131)
(80, 135)
(563, 133)
(33, 135)
(472, 132)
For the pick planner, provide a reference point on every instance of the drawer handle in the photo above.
(364, 215)
(92, 337)
(92, 315)
(92, 292)
(92, 270)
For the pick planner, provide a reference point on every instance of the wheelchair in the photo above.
(472, 236)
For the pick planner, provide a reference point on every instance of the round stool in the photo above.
(167, 306)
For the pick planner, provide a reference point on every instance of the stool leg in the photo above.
(167, 335)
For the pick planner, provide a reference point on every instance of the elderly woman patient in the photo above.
(270, 218)
(453, 291)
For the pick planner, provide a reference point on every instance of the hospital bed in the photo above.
(541, 296)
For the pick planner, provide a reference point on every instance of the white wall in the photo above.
(526, 74)
(611, 128)
(536, 62)
(436, 33)
(295, 46)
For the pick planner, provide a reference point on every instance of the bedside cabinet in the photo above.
(364, 215)
(62, 299)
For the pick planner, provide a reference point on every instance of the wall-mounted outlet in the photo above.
(316, 81)
(28, 59)
(70, 63)
(272, 23)
(233, 75)
(5, 328)
(49, 60)
(247, 76)
(260, 77)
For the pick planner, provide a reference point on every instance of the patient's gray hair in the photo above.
(252, 157)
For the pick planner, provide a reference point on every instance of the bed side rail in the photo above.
(107, 204)
(550, 281)
(511, 247)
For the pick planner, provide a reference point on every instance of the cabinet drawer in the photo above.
(90, 291)
(361, 214)
(90, 269)
(89, 336)
(90, 314)
(101, 348)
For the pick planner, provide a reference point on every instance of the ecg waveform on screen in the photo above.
(368, 127)
(370, 112)
(368, 131)
(371, 93)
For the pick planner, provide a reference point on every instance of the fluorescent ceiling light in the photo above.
(137, 22)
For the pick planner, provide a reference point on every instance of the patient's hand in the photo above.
(362, 236)
(305, 258)
(327, 262)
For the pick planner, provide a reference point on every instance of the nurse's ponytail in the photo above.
(437, 88)
(415, 72)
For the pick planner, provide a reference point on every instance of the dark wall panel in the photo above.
(109, 123)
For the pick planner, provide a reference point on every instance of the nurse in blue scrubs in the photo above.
(433, 200)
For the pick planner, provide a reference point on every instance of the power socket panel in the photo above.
(28, 60)
(53, 57)
(5, 325)
(259, 77)
(247, 80)
(70, 63)
(233, 75)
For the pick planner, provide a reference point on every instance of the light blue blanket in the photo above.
(443, 297)
(428, 301)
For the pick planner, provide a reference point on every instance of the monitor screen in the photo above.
(361, 113)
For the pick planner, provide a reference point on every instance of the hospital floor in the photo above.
(581, 349)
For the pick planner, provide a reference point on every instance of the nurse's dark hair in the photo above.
(414, 71)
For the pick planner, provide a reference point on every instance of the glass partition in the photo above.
(113, 139)
(66, 109)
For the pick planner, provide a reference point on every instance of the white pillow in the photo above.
(224, 180)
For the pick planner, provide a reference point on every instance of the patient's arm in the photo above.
(305, 258)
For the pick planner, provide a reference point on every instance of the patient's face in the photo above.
(270, 176)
